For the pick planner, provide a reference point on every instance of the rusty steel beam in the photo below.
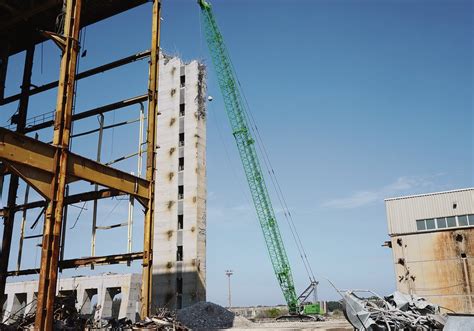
(34, 161)
(4, 50)
(83, 262)
(93, 112)
(71, 199)
(151, 160)
(9, 215)
(84, 74)
(29, 13)
(61, 138)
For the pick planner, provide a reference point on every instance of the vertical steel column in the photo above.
(9, 217)
(62, 132)
(96, 187)
(151, 160)
(3, 67)
(22, 229)
(64, 230)
(131, 202)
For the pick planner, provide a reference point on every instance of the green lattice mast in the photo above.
(236, 112)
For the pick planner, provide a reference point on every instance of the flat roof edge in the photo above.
(428, 194)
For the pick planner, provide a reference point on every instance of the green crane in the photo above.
(237, 114)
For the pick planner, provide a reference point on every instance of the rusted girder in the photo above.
(3, 67)
(60, 167)
(71, 199)
(9, 215)
(34, 160)
(82, 262)
(93, 112)
(151, 160)
(85, 74)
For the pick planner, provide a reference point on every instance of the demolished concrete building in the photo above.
(432, 240)
(179, 263)
(93, 294)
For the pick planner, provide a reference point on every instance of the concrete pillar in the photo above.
(109, 294)
(86, 300)
(31, 300)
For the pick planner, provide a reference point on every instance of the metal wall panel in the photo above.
(403, 212)
(438, 266)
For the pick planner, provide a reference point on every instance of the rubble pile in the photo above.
(164, 320)
(394, 312)
(67, 317)
(206, 315)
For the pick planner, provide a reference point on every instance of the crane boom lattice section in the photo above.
(236, 111)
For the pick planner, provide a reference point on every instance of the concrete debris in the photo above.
(206, 315)
(394, 312)
(67, 317)
(457, 322)
(164, 320)
(242, 322)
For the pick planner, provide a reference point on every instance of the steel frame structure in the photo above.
(48, 168)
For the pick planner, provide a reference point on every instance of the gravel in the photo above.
(206, 315)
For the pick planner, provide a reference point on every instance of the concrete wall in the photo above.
(180, 281)
(437, 264)
(88, 291)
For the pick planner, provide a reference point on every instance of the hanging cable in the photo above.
(79, 215)
(239, 183)
(268, 166)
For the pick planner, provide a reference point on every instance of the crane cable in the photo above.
(274, 179)
(283, 203)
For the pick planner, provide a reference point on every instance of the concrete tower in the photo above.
(179, 261)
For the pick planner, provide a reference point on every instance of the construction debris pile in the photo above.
(394, 312)
(67, 317)
(206, 315)
(162, 320)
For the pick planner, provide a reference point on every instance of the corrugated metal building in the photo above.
(432, 239)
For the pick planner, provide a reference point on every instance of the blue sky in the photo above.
(357, 101)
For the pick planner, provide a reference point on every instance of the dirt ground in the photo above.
(334, 324)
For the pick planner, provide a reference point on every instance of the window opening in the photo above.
(180, 222)
(179, 253)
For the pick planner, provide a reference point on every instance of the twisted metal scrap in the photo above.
(394, 312)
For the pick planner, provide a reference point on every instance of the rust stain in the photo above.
(169, 265)
(170, 204)
(172, 149)
(450, 250)
(170, 176)
(193, 229)
(169, 233)
(172, 121)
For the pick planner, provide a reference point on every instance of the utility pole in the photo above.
(228, 274)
